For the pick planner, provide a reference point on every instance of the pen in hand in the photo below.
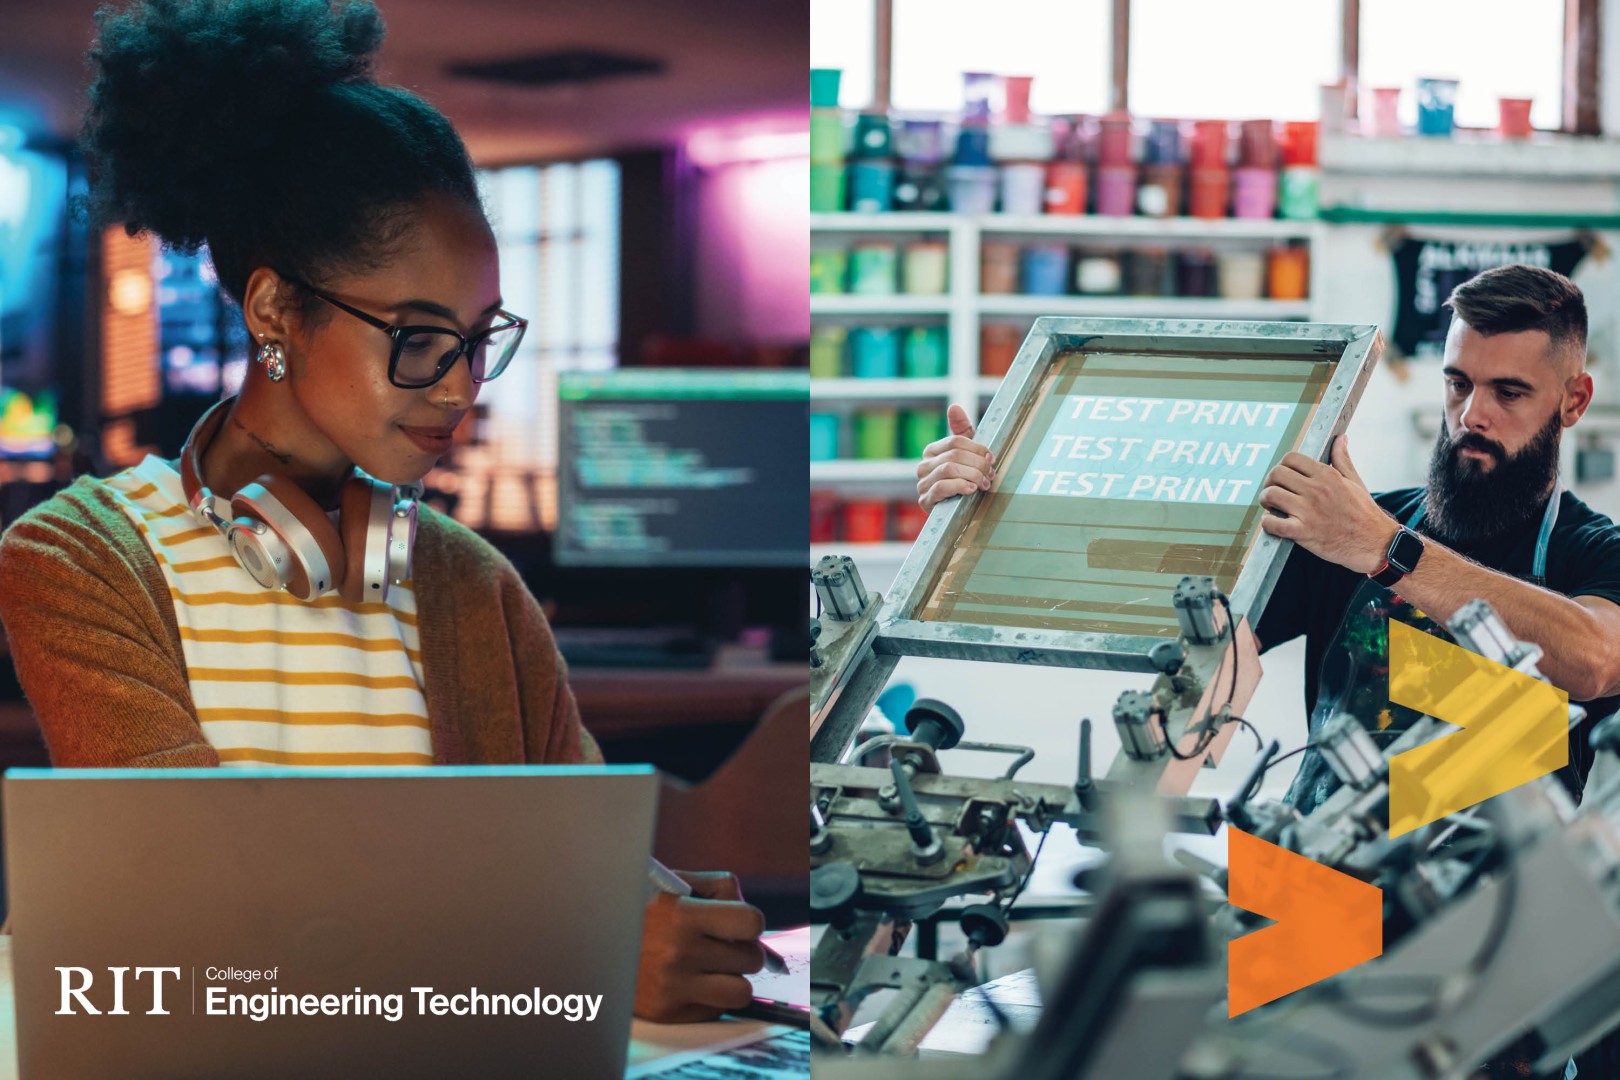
(666, 880)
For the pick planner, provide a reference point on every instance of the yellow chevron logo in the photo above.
(1514, 728)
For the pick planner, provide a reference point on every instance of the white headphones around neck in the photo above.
(283, 539)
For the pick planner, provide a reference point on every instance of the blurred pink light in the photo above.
(712, 147)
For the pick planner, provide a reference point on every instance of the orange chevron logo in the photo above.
(1325, 922)
(1515, 728)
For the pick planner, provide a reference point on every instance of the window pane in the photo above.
(841, 36)
(1494, 48)
(1239, 59)
(1064, 44)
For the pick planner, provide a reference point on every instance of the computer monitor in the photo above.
(677, 468)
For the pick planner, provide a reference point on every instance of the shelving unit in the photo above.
(963, 310)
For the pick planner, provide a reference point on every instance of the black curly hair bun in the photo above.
(188, 94)
(256, 127)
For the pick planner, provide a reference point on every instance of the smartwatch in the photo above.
(1401, 558)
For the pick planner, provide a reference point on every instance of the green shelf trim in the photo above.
(1355, 215)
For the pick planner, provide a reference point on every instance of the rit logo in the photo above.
(67, 976)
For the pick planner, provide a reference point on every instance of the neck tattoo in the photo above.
(263, 445)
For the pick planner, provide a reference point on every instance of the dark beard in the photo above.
(1466, 505)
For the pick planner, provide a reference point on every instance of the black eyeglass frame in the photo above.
(400, 333)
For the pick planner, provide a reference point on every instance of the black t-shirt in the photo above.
(1583, 559)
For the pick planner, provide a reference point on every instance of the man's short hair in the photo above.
(1508, 299)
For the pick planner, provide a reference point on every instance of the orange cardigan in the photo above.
(97, 649)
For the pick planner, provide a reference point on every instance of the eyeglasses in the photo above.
(422, 355)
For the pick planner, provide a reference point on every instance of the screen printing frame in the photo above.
(1352, 348)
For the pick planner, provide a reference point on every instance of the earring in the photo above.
(274, 360)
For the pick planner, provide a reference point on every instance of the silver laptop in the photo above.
(401, 922)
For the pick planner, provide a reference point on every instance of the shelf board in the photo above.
(842, 472)
(856, 389)
(1166, 307)
(1069, 225)
(896, 222)
(901, 304)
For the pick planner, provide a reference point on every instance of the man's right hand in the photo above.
(955, 465)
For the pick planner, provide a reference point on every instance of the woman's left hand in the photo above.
(696, 949)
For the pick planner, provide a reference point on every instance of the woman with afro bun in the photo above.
(260, 599)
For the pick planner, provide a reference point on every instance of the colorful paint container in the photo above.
(827, 351)
(1436, 98)
(1163, 143)
(826, 188)
(826, 136)
(1114, 140)
(1296, 192)
(828, 269)
(1099, 274)
(873, 269)
(877, 433)
(998, 268)
(866, 521)
(1288, 273)
(874, 352)
(1242, 274)
(871, 186)
(873, 139)
(1299, 143)
(979, 89)
(925, 353)
(909, 519)
(1513, 117)
(920, 141)
(1195, 272)
(998, 348)
(1046, 269)
(823, 436)
(921, 187)
(1023, 188)
(973, 188)
(973, 146)
(824, 87)
(1065, 187)
(1116, 190)
(1160, 192)
(1257, 145)
(1254, 193)
(1150, 272)
(918, 428)
(1385, 119)
(926, 268)
(1015, 98)
(824, 511)
(1209, 144)
(1211, 193)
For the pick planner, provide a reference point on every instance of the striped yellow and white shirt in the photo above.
(276, 680)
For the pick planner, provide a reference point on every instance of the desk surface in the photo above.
(648, 1041)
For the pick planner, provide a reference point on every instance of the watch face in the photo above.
(1404, 552)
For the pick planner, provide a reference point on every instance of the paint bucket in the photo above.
(926, 268)
(1163, 143)
(1160, 193)
(998, 268)
(973, 188)
(827, 351)
(909, 519)
(874, 352)
(1150, 272)
(1116, 190)
(921, 187)
(1288, 273)
(1195, 272)
(823, 436)
(828, 268)
(1015, 94)
(826, 188)
(1098, 274)
(1046, 269)
(925, 353)
(1254, 193)
(921, 141)
(1257, 145)
(973, 146)
(871, 186)
(866, 521)
(1296, 193)
(1335, 107)
(1386, 117)
(824, 511)
(919, 428)
(1211, 193)
(873, 269)
(1209, 144)
(979, 91)
(1299, 143)
(824, 87)
(1242, 275)
(1114, 140)
(873, 138)
(998, 348)
(1021, 142)
(1513, 117)
(1436, 98)
(1023, 188)
(877, 433)
(826, 136)
(1065, 187)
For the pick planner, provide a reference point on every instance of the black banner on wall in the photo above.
(1427, 270)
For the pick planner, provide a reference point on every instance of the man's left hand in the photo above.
(1329, 510)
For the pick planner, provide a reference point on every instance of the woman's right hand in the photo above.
(955, 465)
